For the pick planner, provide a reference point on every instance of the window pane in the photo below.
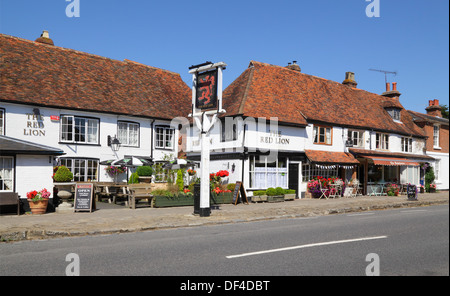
(80, 130)
(92, 130)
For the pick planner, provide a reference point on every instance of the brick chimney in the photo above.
(350, 79)
(45, 38)
(434, 109)
(294, 66)
(394, 93)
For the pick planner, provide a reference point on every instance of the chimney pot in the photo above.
(394, 85)
(388, 86)
(350, 79)
(294, 66)
(45, 38)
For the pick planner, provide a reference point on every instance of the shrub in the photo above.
(180, 181)
(144, 171)
(134, 178)
(63, 174)
(279, 191)
(289, 191)
(429, 178)
(271, 191)
(259, 192)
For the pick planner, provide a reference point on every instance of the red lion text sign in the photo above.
(206, 90)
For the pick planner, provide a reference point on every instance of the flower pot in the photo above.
(145, 179)
(289, 196)
(38, 207)
(275, 198)
(259, 198)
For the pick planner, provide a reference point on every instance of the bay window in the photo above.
(264, 174)
(83, 170)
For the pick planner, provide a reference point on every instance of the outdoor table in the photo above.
(112, 190)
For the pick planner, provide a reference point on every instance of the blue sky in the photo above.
(326, 37)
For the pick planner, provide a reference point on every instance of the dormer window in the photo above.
(394, 113)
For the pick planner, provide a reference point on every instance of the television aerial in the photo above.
(385, 73)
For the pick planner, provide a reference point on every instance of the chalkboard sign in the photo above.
(83, 197)
(411, 191)
(239, 194)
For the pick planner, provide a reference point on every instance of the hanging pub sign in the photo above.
(206, 90)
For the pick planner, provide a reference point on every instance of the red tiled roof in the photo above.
(265, 90)
(46, 75)
(331, 157)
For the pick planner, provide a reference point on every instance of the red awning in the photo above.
(381, 160)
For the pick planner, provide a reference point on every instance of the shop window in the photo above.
(382, 141)
(83, 170)
(406, 144)
(128, 133)
(76, 129)
(164, 137)
(2, 122)
(264, 174)
(6, 173)
(322, 135)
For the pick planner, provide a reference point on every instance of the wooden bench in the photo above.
(9, 199)
(139, 191)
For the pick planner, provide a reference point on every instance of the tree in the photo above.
(444, 110)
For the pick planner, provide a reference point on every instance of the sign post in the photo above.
(206, 106)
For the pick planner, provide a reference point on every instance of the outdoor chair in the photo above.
(323, 190)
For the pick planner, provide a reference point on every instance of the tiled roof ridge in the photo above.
(425, 116)
(387, 99)
(125, 61)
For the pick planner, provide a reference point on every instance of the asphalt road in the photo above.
(402, 242)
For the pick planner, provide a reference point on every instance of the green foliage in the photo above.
(259, 192)
(444, 111)
(279, 191)
(134, 178)
(289, 191)
(144, 171)
(271, 191)
(429, 178)
(231, 186)
(63, 174)
(180, 181)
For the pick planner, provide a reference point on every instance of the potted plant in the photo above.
(275, 194)
(191, 172)
(38, 201)
(62, 174)
(289, 194)
(62, 180)
(145, 174)
(259, 196)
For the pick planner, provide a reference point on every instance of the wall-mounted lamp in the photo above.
(113, 143)
(233, 167)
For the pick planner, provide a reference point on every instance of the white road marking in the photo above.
(306, 246)
(413, 211)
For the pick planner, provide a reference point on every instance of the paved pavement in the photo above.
(109, 219)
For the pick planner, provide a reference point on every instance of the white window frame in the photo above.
(90, 125)
(128, 133)
(3, 174)
(76, 166)
(406, 144)
(356, 136)
(436, 130)
(381, 141)
(164, 137)
(280, 173)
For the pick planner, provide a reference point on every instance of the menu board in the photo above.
(83, 197)
(239, 194)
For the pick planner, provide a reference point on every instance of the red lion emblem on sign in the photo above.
(206, 88)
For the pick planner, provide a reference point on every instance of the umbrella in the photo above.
(178, 163)
(133, 161)
(107, 162)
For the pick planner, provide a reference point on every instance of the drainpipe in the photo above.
(151, 142)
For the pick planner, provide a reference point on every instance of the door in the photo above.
(293, 177)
